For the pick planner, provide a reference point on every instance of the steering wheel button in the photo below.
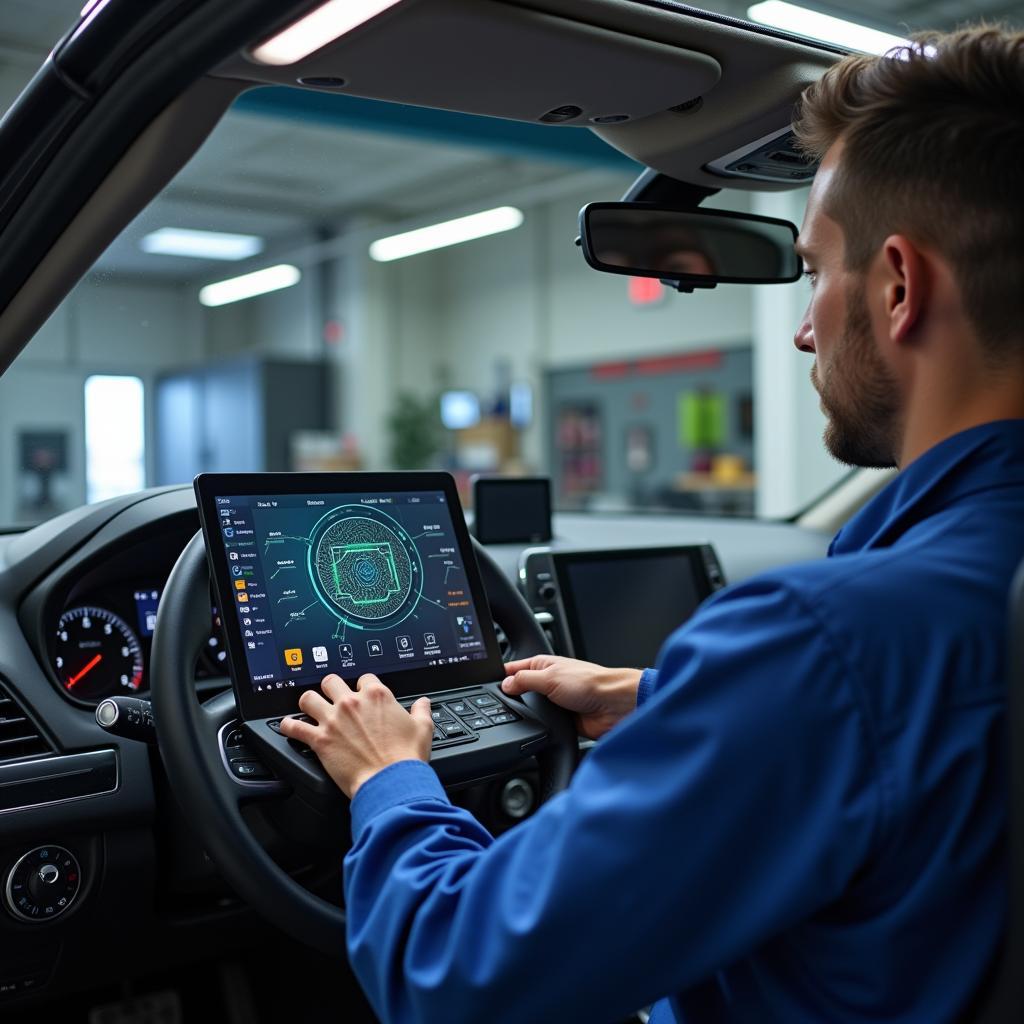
(235, 738)
(249, 770)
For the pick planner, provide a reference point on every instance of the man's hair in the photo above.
(933, 148)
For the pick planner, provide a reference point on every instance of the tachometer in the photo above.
(97, 654)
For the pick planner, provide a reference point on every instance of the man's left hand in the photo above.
(359, 732)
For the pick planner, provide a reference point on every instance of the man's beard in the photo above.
(859, 395)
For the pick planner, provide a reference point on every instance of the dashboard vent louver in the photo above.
(19, 737)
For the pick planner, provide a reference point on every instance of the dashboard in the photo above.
(77, 599)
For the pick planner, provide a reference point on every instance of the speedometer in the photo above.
(97, 654)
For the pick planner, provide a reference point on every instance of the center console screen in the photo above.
(348, 573)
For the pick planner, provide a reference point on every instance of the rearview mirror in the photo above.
(688, 248)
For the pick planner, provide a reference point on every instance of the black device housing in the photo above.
(253, 705)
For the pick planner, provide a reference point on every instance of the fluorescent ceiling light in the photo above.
(210, 245)
(451, 232)
(321, 26)
(271, 279)
(803, 22)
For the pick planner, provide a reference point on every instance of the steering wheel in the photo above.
(189, 735)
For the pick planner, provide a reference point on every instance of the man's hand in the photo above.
(600, 696)
(357, 733)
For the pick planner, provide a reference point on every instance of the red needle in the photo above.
(88, 668)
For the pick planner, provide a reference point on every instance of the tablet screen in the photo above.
(361, 581)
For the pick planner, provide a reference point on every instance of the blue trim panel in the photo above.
(563, 144)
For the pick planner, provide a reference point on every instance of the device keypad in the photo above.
(460, 719)
(455, 721)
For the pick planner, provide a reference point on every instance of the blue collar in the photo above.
(982, 458)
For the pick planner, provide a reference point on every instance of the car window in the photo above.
(500, 354)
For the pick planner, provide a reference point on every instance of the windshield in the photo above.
(495, 350)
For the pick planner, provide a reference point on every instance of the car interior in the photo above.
(196, 852)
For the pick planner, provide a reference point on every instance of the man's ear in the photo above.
(907, 283)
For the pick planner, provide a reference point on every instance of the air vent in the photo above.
(560, 114)
(689, 106)
(18, 736)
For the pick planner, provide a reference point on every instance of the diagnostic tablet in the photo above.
(346, 573)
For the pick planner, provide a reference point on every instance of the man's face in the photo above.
(858, 391)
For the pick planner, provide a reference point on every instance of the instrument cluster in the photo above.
(103, 642)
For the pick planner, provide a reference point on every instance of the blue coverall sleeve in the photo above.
(739, 798)
(648, 682)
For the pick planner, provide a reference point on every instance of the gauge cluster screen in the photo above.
(97, 654)
(369, 581)
(103, 643)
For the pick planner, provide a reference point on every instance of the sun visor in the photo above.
(491, 58)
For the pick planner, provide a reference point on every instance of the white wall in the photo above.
(104, 326)
(793, 464)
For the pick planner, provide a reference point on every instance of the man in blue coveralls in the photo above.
(800, 816)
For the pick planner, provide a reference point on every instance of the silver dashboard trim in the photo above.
(66, 799)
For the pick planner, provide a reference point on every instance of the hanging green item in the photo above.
(701, 417)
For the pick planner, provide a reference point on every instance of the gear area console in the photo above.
(350, 574)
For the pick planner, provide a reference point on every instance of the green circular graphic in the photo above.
(363, 566)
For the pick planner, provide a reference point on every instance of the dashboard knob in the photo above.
(517, 798)
(547, 592)
(43, 884)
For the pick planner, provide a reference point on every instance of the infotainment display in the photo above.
(346, 573)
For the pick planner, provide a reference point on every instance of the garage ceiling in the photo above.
(264, 174)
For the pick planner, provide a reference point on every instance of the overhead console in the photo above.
(668, 87)
(502, 60)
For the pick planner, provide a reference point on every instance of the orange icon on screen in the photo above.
(239, 584)
(293, 656)
(243, 598)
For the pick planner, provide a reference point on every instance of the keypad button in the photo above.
(440, 716)
(459, 707)
(483, 701)
(452, 729)
(498, 709)
(503, 718)
(479, 722)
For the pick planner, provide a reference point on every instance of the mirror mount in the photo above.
(654, 187)
(687, 287)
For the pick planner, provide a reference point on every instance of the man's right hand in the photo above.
(599, 696)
